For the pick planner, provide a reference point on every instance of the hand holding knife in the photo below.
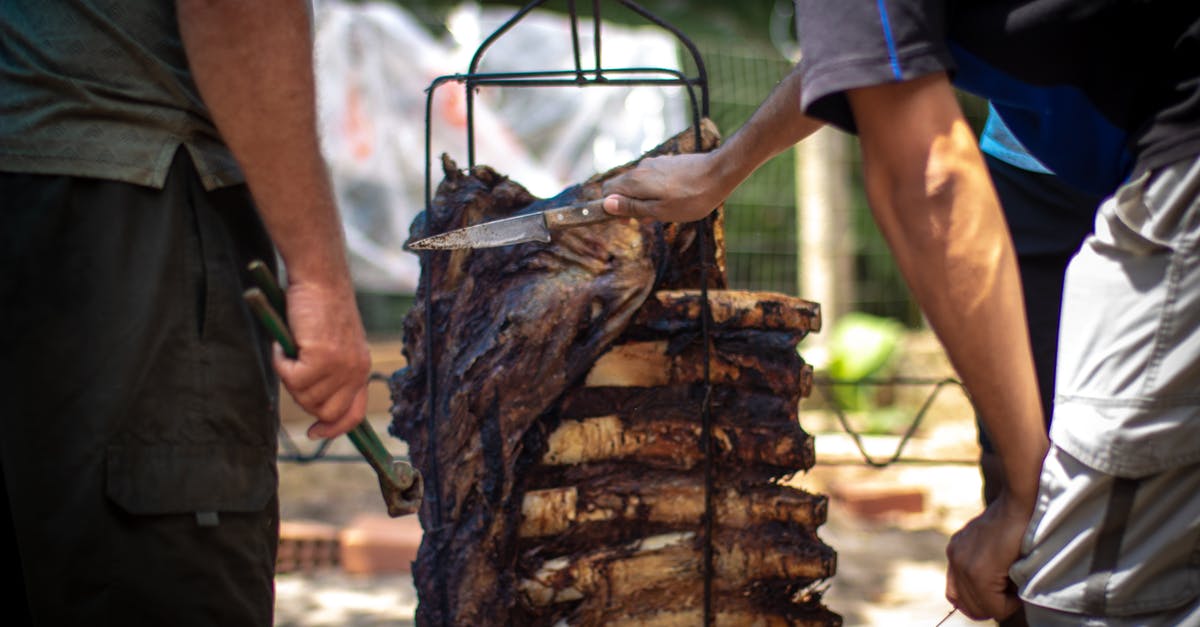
(530, 227)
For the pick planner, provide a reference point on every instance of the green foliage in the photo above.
(860, 346)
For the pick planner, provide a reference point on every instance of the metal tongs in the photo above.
(400, 483)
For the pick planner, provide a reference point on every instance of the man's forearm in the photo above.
(682, 188)
(934, 202)
(776, 125)
(252, 62)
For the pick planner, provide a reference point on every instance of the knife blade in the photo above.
(531, 227)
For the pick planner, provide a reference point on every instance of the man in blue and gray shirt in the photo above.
(1100, 522)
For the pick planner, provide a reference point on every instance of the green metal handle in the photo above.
(271, 319)
(399, 481)
(368, 443)
(266, 282)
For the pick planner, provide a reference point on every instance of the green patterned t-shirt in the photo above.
(101, 89)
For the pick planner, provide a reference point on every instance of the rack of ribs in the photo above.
(567, 392)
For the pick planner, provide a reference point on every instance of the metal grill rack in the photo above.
(579, 76)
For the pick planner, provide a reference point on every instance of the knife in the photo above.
(531, 227)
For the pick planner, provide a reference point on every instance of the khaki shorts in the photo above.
(1116, 532)
(1122, 551)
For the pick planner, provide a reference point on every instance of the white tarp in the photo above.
(374, 64)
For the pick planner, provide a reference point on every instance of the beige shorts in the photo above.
(1115, 538)
(1120, 551)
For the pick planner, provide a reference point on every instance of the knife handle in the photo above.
(589, 212)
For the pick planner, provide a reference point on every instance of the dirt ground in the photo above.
(889, 526)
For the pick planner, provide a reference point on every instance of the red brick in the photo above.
(306, 546)
(372, 544)
(880, 502)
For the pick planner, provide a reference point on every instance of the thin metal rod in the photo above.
(293, 453)
(678, 77)
(575, 40)
(431, 446)
(706, 420)
(471, 77)
(701, 72)
(496, 34)
(706, 437)
(596, 38)
(708, 523)
(856, 437)
(546, 82)
(474, 66)
(947, 617)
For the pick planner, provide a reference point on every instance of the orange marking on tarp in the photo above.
(358, 126)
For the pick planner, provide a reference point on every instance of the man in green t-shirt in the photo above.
(148, 150)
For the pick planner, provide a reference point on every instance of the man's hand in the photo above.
(329, 377)
(684, 188)
(979, 556)
(678, 188)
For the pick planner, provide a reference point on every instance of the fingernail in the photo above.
(611, 205)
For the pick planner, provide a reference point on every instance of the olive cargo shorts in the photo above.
(137, 437)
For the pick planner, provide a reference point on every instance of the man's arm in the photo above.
(682, 188)
(933, 200)
(252, 62)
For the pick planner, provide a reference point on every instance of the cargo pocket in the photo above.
(180, 479)
(1106, 546)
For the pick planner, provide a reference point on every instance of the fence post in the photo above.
(826, 262)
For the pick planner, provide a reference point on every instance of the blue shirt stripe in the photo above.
(891, 42)
(1057, 124)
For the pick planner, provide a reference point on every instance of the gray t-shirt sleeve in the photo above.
(846, 44)
(102, 89)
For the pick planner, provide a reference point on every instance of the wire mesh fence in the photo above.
(762, 237)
